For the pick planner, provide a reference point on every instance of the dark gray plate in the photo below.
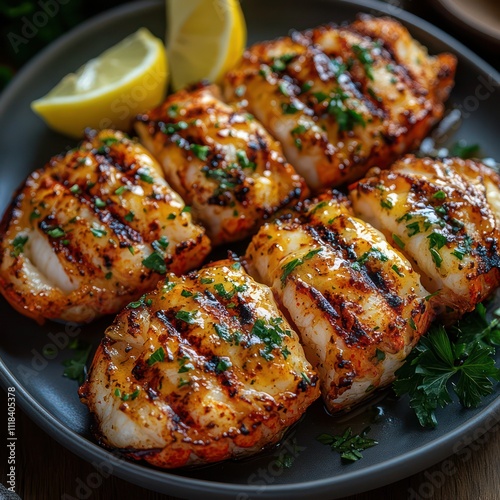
(52, 401)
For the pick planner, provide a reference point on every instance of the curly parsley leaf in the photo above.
(438, 364)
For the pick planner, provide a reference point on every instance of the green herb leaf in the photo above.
(187, 316)
(464, 150)
(97, 232)
(76, 368)
(201, 152)
(438, 364)
(290, 266)
(144, 176)
(348, 445)
(157, 356)
(156, 262)
(55, 232)
(18, 245)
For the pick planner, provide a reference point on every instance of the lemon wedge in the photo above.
(205, 38)
(107, 92)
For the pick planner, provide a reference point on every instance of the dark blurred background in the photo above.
(42, 21)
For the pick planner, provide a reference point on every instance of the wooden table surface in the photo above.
(47, 471)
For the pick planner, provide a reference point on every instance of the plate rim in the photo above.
(91, 452)
(486, 33)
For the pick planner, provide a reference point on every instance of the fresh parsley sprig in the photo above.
(466, 365)
(349, 445)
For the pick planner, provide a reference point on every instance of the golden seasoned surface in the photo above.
(342, 99)
(222, 162)
(444, 216)
(92, 230)
(202, 369)
(357, 304)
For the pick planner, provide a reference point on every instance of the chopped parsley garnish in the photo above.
(100, 203)
(319, 206)
(186, 209)
(346, 117)
(172, 110)
(464, 248)
(223, 365)
(184, 366)
(221, 290)
(201, 152)
(206, 281)
(223, 177)
(399, 242)
(76, 368)
(386, 203)
(413, 228)
(161, 244)
(109, 140)
(380, 355)
(144, 176)
(299, 129)
(157, 356)
(290, 266)
(98, 232)
(271, 334)
(171, 216)
(183, 382)
(374, 253)
(119, 191)
(75, 189)
(280, 63)
(440, 195)
(55, 232)
(139, 303)
(244, 161)
(461, 359)
(283, 88)
(306, 86)
(464, 150)
(289, 108)
(156, 262)
(348, 445)
(187, 316)
(236, 266)
(108, 275)
(18, 245)
(436, 242)
(395, 268)
(365, 58)
(126, 397)
(130, 216)
(35, 214)
(171, 128)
